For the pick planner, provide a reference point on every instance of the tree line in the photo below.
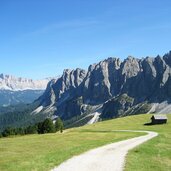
(47, 126)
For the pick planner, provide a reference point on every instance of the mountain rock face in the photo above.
(113, 86)
(15, 90)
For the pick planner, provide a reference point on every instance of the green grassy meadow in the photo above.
(43, 152)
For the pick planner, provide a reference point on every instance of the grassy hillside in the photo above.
(42, 152)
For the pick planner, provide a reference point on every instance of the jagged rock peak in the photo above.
(130, 67)
(73, 77)
(167, 58)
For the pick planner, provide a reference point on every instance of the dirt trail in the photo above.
(110, 157)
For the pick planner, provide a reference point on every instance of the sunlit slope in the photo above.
(43, 152)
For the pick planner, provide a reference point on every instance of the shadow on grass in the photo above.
(148, 124)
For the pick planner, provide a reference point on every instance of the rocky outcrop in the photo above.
(117, 106)
(102, 80)
(64, 94)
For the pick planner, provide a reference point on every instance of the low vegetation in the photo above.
(43, 152)
(47, 126)
(18, 116)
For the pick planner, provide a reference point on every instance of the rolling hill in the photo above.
(31, 152)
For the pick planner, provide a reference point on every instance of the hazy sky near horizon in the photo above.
(40, 38)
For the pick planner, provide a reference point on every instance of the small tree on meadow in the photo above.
(7, 132)
(40, 128)
(48, 126)
(59, 125)
(32, 129)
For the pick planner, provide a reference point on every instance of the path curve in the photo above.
(110, 157)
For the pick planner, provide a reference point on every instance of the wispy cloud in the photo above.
(73, 24)
(157, 27)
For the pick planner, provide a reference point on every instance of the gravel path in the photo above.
(110, 157)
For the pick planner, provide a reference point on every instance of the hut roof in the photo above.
(159, 117)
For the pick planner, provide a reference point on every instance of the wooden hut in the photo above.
(158, 119)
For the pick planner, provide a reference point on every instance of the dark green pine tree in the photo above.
(31, 129)
(59, 125)
(48, 126)
(8, 131)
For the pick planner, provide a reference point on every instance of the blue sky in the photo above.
(40, 38)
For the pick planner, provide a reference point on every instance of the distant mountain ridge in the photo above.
(16, 90)
(9, 82)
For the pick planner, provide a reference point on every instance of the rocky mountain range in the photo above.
(110, 88)
(9, 82)
(15, 90)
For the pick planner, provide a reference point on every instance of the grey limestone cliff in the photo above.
(121, 85)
